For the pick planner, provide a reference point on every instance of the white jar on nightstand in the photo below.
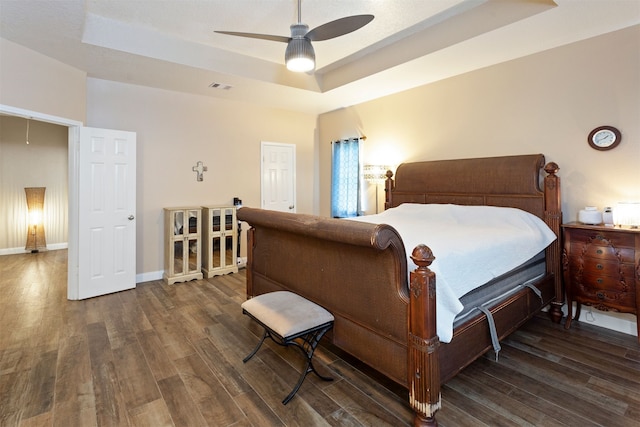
(590, 215)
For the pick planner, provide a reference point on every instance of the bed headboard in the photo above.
(511, 181)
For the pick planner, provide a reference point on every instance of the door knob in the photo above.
(131, 217)
(291, 207)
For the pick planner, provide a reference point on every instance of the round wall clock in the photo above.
(604, 138)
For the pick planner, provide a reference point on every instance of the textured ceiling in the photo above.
(172, 44)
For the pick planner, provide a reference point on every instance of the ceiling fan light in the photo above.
(300, 56)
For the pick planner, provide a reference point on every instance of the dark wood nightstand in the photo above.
(601, 268)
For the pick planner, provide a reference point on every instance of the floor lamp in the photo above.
(35, 232)
(375, 174)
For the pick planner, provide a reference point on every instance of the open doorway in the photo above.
(73, 130)
(33, 154)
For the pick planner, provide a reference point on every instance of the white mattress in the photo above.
(472, 245)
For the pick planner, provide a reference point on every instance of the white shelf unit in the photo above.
(219, 240)
(182, 257)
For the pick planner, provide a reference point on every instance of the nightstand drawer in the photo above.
(601, 250)
(595, 236)
(621, 301)
(602, 267)
(599, 282)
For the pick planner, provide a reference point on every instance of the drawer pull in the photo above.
(599, 280)
(600, 295)
(599, 266)
(599, 252)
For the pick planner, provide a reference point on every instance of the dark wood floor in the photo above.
(172, 355)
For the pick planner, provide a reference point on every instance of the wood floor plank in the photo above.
(10, 360)
(563, 377)
(39, 420)
(92, 310)
(342, 418)
(13, 390)
(172, 336)
(74, 397)
(182, 408)
(572, 405)
(150, 305)
(258, 413)
(289, 365)
(157, 359)
(41, 385)
(76, 413)
(462, 411)
(152, 414)
(393, 399)
(483, 394)
(360, 406)
(214, 402)
(110, 403)
(135, 315)
(136, 380)
(232, 379)
(615, 368)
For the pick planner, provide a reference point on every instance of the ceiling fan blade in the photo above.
(257, 36)
(339, 27)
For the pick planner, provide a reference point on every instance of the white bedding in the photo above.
(471, 244)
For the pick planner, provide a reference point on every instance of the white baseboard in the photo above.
(12, 251)
(150, 276)
(22, 250)
(57, 246)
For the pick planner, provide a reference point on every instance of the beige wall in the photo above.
(32, 81)
(545, 103)
(41, 163)
(175, 130)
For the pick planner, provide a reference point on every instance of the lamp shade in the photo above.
(375, 173)
(300, 56)
(35, 205)
(627, 214)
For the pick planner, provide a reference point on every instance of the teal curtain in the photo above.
(345, 178)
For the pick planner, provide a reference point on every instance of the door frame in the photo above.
(73, 187)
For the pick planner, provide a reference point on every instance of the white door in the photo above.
(106, 212)
(279, 177)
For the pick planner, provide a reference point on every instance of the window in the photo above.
(345, 178)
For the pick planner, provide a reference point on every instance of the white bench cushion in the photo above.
(286, 313)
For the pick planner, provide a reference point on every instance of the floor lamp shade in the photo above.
(375, 174)
(35, 231)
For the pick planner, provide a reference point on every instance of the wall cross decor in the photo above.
(199, 168)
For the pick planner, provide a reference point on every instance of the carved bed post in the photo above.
(422, 351)
(388, 186)
(553, 218)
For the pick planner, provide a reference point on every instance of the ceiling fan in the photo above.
(300, 55)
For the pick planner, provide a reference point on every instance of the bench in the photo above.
(289, 319)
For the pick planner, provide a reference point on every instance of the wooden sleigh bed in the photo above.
(384, 315)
